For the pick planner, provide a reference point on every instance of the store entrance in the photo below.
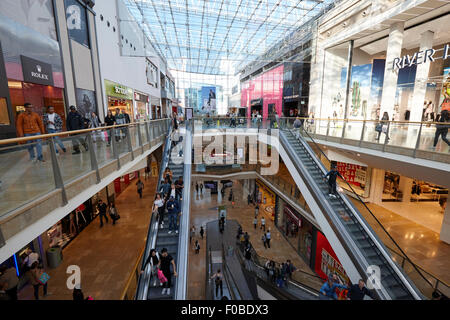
(291, 109)
(257, 108)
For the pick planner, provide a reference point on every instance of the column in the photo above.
(445, 229)
(394, 50)
(420, 84)
(376, 186)
(405, 186)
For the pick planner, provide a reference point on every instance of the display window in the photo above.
(40, 96)
(121, 104)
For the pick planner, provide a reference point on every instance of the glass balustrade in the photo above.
(22, 180)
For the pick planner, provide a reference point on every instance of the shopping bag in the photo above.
(445, 105)
(378, 127)
(384, 128)
(162, 278)
(44, 278)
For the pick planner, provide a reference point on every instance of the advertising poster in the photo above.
(77, 22)
(208, 100)
(86, 102)
(353, 173)
(327, 261)
(445, 93)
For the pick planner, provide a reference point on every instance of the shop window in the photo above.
(76, 19)
(4, 116)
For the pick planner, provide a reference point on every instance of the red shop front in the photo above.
(121, 183)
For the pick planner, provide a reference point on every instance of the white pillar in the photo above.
(420, 84)
(394, 50)
(445, 229)
(376, 186)
(405, 186)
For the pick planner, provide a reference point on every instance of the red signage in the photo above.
(326, 260)
(117, 188)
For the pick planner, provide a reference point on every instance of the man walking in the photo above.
(202, 231)
(75, 122)
(140, 187)
(54, 124)
(268, 237)
(263, 223)
(173, 210)
(30, 124)
(255, 222)
(102, 211)
(332, 177)
(164, 265)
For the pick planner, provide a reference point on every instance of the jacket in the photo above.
(331, 291)
(355, 293)
(57, 122)
(29, 123)
(109, 121)
(74, 121)
(175, 208)
(333, 176)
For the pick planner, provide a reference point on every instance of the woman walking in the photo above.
(382, 126)
(159, 204)
(218, 279)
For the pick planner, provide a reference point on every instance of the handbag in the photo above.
(44, 278)
(162, 278)
(384, 128)
(378, 127)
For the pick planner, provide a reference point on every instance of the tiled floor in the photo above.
(204, 209)
(105, 255)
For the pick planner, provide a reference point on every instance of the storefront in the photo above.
(30, 62)
(411, 86)
(296, 78)
(155, 107)
(119, 97)
(297, 230)
(141, 106)
(266, 200)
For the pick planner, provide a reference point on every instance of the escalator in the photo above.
(158, 235)
(341, 221)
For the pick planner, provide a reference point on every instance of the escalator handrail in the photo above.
(359, 261)
(183, 236)
(142, 287)
(367, 208)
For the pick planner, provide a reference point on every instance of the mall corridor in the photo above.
(204, 209)
(107, 255)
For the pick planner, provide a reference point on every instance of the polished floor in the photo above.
(107, 255)
(204, 209)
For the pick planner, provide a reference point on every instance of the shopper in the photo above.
(168, 175)
(179, 186)
(102, 208)
(192, 234)
(255, 222)
(196, 187)
(164, 264)
(31, 258)
(173, 209)
(197, 247)
(9, 281)
(382, 126)
(263, 223)
(328, 289)
(153, 260)
(159, 203)
(113, 213)
(165, 188)
(202, 231)
(140, 187)
(75, 122)
(201, 187)
(94, 122)
(268, 237)
(29, 124)
(249, 199)
(256, 210)
(442, 129)
(126, 116)
(34, 276)
(54, 124)
(147, 173)
(264, 240)
(110, 120)
(248, 257)
(246, 239)
(289, 270)
(358, 291)
(332, 177)
(218, 279)
(297, 126)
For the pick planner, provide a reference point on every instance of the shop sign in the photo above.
(293, 216)
(116, 90)
(140, 97)
(419, 58)
(295, 96)
(36, 71)
(256, 102)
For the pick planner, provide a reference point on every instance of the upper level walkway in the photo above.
(35, 195)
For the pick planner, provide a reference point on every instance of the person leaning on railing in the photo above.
(53, 123)
(442, 129)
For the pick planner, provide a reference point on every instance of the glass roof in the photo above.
(218, 36)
